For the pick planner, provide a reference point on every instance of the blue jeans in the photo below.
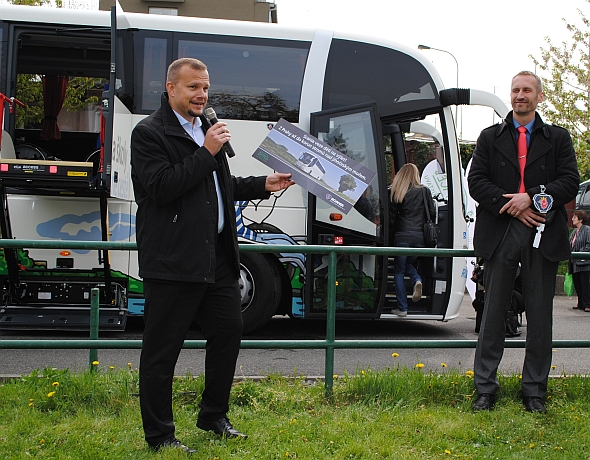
(404, 265)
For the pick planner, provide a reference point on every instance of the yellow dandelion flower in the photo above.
(447, 451)
(95, 363)
(335, 376)
(362, 372)
(31, 404)
(129, 365)
(42, 441)
(520, 377)
(419, 366)
(111, 367)
(553, 367)
(50, 394)
(443, 364)
(395, 355)
(469, 373)
(531, 446)
(31, 399)
(280, 431)
(286, 454)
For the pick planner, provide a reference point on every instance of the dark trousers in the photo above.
(538, 288)
(170, 309)
(582, 285)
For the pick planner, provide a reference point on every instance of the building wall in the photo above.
(243, 10)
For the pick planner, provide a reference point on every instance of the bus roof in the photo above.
(142, 21)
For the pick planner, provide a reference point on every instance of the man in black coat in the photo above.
(188, 250)
(505, 229)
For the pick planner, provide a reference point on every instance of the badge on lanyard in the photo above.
(542, 201)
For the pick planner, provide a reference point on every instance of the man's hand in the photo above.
(216, 136)
(519, 207)
(278, 181)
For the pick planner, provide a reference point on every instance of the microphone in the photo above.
(212, 117)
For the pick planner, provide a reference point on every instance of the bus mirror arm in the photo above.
(462, 96)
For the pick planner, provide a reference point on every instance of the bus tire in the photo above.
(260, 289)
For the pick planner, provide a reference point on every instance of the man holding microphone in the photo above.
(188, 250)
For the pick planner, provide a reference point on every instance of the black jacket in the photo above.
(177, 202)
(551, 162)
(582, 244)
(406, 219)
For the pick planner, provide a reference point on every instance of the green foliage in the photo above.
(466, 151)
(58, 3)
(566, 83)
(398, 413)
(420, 153)
(30, 92)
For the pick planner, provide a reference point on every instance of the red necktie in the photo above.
(522, 151)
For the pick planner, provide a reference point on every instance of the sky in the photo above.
(491, 41)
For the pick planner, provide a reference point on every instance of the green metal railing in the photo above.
(329, 344)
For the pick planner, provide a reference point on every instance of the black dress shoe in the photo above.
(221, 427)
(484, 401)
(174, 443)
(534, 404)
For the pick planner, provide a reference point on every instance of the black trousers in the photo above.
(538, 289)
(582, 285)
(170, 309)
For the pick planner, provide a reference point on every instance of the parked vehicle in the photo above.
(390, 110)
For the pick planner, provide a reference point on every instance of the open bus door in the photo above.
(361, 279)
(44, 291)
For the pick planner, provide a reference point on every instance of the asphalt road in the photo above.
(569, 324)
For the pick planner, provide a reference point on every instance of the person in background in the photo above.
(523, 172)
(188, 250)
(580, 269)
(407, 217)
(365, 206)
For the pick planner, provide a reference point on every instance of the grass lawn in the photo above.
(395, 414)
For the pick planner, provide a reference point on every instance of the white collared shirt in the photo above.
(195, 131)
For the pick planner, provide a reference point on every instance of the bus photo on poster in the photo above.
(329, 174)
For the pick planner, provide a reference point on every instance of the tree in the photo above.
(566, 83)
(29, 91)
(347, 182)
(57, 3)
(466, 152)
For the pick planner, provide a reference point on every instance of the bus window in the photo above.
(359, 277)
(361, 72)
(247, 83)
(70, 69)
(353, 136)
(155, 64)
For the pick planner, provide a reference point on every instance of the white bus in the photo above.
(374, 100)
(311, 165)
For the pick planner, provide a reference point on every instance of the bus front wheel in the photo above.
(260, 289)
